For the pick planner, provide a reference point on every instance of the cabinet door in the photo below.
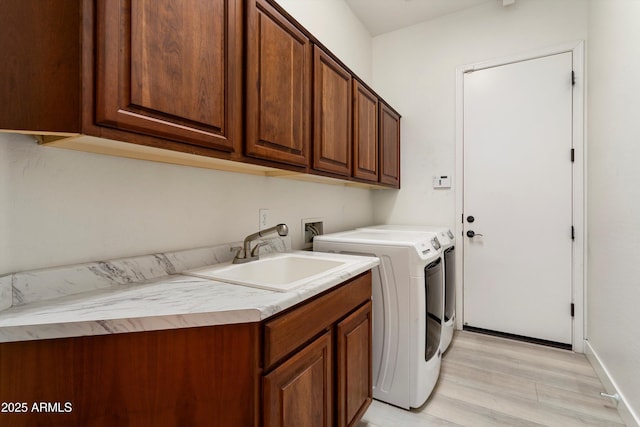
(298, 392)
(365, 133)
(332, 115)
(389, 146)
(169, 378)
(279, 58)
(171, 69)
(353, 366)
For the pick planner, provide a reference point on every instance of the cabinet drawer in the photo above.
(291, 330)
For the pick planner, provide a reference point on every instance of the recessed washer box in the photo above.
(311, 227)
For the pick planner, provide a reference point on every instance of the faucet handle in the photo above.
(238, 250)
(255, 253)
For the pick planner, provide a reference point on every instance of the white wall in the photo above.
(61, 207)
(414, 69)
(328, 21)
(613, 211)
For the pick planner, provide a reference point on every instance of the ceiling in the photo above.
(382, 16)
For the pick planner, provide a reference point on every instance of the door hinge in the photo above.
(573, 78)
(573, 155)
(573, 233)
(573, 309)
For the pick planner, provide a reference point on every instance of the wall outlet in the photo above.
(263, 219)
(311, 227)
(442, 181)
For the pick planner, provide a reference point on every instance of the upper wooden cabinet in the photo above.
(279, 70)
(169, 68)
(365, 133)
(389, 135)
(164, 74)
(332, 115)
(192, 82)
(40, 69)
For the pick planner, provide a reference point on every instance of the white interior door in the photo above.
(518, 189)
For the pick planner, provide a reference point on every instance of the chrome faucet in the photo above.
(246, 254)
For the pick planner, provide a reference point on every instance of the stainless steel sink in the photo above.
(280, 272)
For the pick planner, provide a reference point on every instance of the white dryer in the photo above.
(447, 239)
(407, 310)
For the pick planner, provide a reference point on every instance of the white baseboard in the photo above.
(629, 417)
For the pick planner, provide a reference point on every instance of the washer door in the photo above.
(435, 307)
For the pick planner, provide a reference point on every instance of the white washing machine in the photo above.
(447, 239)
(407, 310)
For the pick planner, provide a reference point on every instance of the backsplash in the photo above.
(30, 286)
(5, 292)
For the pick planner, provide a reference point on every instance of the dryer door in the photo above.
(449, 284)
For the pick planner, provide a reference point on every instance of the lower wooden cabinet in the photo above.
(298, 393)
(309, 388)
(317, 360)
(353, 366)
(206, 376)
(307, 366)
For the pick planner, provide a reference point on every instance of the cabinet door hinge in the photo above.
(573, 233)
(573, 78)
(573, 309)
(573, 155)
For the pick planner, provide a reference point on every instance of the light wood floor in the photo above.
(489, 381)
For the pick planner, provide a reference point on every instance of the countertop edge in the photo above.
(129, 325)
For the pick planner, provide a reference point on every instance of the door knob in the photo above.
(470, 218)
(472, 233)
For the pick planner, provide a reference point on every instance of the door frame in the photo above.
(578, 267)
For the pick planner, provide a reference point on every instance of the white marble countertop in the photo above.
(168, 302)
